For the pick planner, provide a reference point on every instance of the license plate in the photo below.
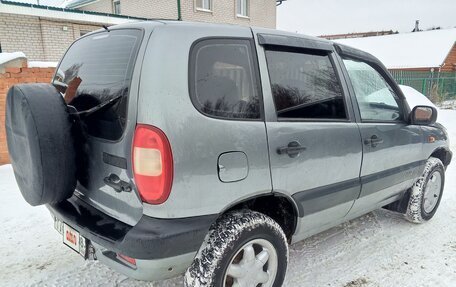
(74, 240)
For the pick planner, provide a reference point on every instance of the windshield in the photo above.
(97, 69)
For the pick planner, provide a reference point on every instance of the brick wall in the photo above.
(58, 36)
(165, 9)
(262, 12)
(102, 6)
(40, 39)
(450, 61)
(21, 33)
(11, 77)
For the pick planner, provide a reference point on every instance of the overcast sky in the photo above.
(318, 17)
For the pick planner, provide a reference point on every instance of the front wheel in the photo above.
(243, 248)
(427, 192)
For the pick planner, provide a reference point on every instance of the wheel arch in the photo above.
(443, 154)
(279, 206)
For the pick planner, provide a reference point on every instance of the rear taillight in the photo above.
(125, 258)
(152, 164)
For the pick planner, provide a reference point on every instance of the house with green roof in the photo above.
(44, 33)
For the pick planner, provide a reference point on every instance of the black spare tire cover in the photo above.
(40, 143)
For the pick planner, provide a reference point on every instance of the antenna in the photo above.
(106, 28)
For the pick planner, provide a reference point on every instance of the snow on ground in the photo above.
(449, 104)
(379, 249)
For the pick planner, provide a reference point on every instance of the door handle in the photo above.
(293, 149)
(373, 141)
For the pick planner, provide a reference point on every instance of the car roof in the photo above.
(292, 37)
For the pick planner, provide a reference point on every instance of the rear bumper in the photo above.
(148, 270)
(152, 242)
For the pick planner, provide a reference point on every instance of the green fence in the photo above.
(438, 86)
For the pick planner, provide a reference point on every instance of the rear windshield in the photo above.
(94, 77)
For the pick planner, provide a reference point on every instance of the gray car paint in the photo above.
(323, 182)
(197, 140)
(126, 206)
(384, 176)
(334, 147)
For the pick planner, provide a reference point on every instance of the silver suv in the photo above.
(166, 147)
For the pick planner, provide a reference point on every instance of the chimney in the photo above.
(417, 26)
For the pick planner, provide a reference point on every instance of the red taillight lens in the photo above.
(152, 164)
(125, 258)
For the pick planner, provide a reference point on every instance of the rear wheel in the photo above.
(243, 248)
(427, 192)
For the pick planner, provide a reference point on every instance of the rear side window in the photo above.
(96, 71)
(305, 85)
(222, 79)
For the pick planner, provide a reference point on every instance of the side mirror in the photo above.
(423, 115)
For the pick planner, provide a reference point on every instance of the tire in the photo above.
(40, 143)
(420, 209)
(222, 246)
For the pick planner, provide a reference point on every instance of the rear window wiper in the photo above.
(88, 112)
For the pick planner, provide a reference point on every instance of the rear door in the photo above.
(314, 143)
(391, 147)
(99, 69)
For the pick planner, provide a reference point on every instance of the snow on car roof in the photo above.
(426, 49)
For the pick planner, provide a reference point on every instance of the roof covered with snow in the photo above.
(427, 49)
(8, 57)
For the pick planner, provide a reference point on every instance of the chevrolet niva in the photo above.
(165, 147)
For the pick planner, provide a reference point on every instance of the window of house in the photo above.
(223, 81)
(376, 99)
(204, 5)
(305, 85)
(116, 7)
(243, 8)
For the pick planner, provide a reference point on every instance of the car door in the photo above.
(391, 147)
(314, 143)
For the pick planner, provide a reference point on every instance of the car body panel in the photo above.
(197, 140)
(332, 146)
(126, 206)
(219, 163)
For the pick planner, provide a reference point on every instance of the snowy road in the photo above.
(378, 249)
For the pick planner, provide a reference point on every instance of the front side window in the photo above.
(116, 7)
(222, 79)
(243, 8)
(305, 85)
(95, 75)
(204, 4)
(376, 99)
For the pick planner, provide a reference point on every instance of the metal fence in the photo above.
(438, 86)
